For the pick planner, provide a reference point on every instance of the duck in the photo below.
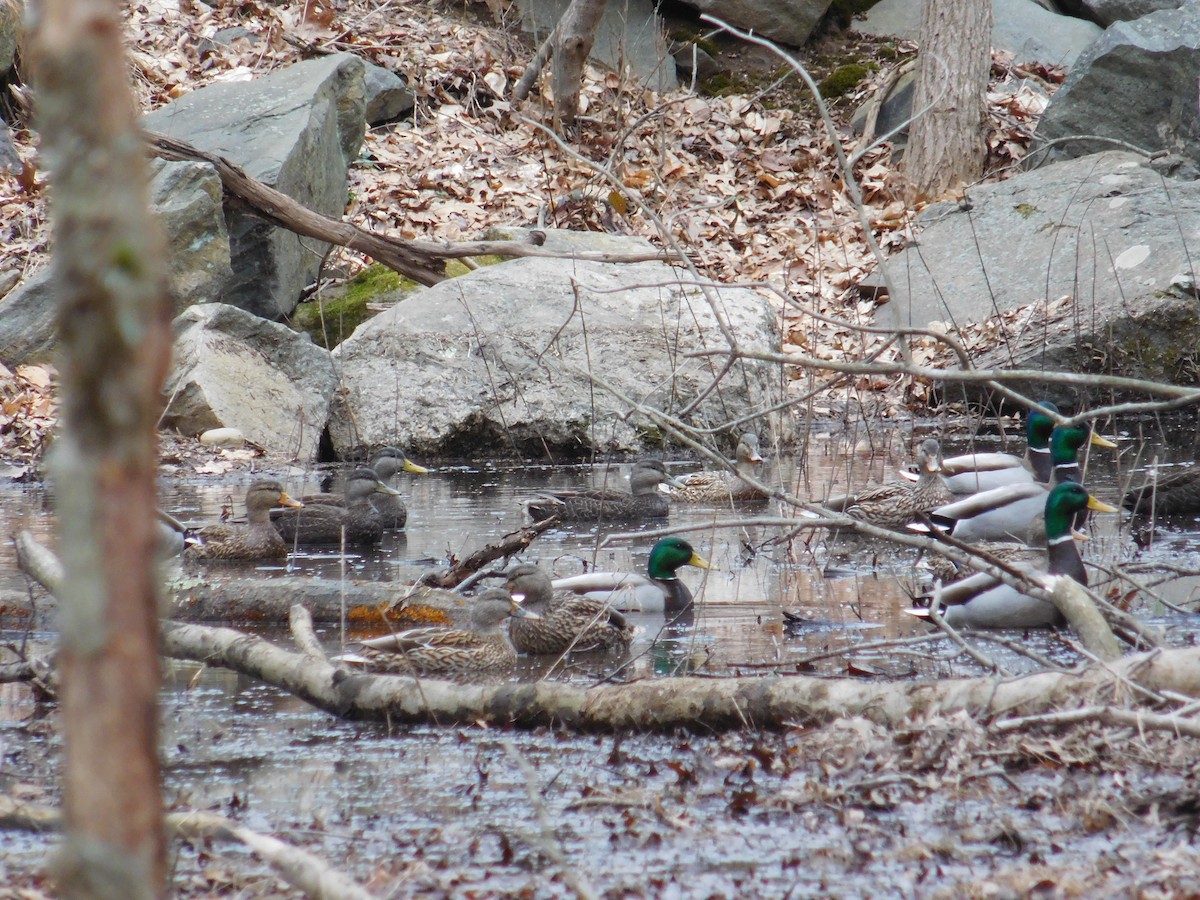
(1014, 512)
(659, 590)
(1172, 494)
(325, 517)
(257, 539)
(895, 504)
(643, 501)
(724, 486)
(983, 601)
(388, 463)
(970, 473)
(566, 621)
(482, 647)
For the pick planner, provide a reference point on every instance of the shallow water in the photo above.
(445, 812)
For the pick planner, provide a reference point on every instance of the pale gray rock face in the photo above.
(499, 360)
(1023, 28)
(787, 21)
(232, 369)
(1106, 12)
(186, 197)
(1136, 84)
(297, 130)
(1105, 238)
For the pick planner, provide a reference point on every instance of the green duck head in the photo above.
(1039, 424)
(1065, 442)
(1063, 502)
(671, 554)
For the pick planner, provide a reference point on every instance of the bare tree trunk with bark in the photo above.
(947, 139)
(568, 45)
(110, 271)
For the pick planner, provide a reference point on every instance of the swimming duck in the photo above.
(447, 652)
(388, 463)
(659, 590)
(643, 501)
(895, 504)
(1173, 494)
(324, 519)
(970, 473)
(255, 540)
(723, 486)
(566, 620)
(983, 601)
(1015, 512)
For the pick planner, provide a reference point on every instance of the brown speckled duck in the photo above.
(255, 540)
(449, 652)
(895, 504)
(724, 487)
(388, 463)
(566, 621)
(323, 518)
(643, 501)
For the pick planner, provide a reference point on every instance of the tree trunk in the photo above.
(572, 42)
(110, 271)
(947, 139)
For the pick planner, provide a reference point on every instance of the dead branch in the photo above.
(418, 260)
(663, 704)
(510, 545)
(299, 868)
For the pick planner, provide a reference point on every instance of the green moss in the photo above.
(330, 321)
(456, 267)
(1025, 210)
(843, 79)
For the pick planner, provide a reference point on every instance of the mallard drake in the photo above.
(388, 463)
(659, 590)
(983, 601)
(447, 652)
(257, 539)
(1015, 512)
(643, 501)
(566, 620)
(324, 519)
(1173, 494)
(723, 486)
(895, 504)
(970, 473)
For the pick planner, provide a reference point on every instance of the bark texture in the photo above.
(668, 703)
(947, 139)
(572, 42)
(114, 324)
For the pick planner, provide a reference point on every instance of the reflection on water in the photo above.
(849, 590)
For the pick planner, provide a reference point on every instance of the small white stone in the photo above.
(223, 437)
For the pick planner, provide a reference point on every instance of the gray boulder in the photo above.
(787, 21)
(1103, 232)
(298, 130)
(232, 369)
(1105, 12)
(387, 95)
(500, 358)
(12, 32)
(186, 197)
(1136, 84)
(1023, 28)
(629, 39)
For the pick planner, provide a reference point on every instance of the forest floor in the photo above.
(743, 175)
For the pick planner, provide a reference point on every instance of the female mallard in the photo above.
(323, 520)
(644, 501)
(255, 540)
(1015, 512)
(447, 652)
(566, 621)
(971, 473)
(659, 590)
(895, 504)
(983, 601)
(1174, 494)
(388, 463)
(723, 487)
